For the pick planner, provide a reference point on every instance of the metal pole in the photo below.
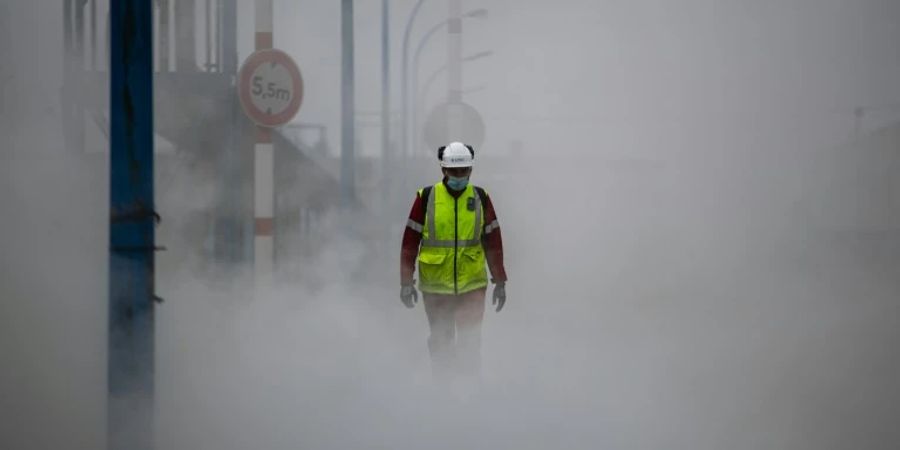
(79, 40)
(67, 107)
(416, 101)
(163, 35)
(239, 229)
(131, 234)
(93, 34)
(67, 28)
(218, 37)
(231, 238)
(404, 91)
(77, 138)
(185, 40)
(415, 81)
(426, 86)
(207, 19)
(385, 102)
(347, 104)
(454, 64)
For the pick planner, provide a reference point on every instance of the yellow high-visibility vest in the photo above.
(451, 256)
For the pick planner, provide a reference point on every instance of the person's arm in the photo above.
(412, 236)
(493, 243)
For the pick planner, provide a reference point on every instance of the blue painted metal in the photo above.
(131, 228)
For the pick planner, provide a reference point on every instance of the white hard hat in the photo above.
(456, 154)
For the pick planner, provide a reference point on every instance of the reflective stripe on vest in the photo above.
(451, 258)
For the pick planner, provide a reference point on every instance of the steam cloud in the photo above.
(701, 243)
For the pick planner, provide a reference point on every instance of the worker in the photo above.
(452, 231)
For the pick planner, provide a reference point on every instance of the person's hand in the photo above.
(408, 295)
(500, 295)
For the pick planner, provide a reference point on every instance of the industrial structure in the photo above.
(198, 115)
(159, 84)
(134, 79)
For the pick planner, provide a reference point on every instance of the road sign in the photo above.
(270, 87)
(456, 121)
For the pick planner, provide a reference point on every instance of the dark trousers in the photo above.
(455, 340)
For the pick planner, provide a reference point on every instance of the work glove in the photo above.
(408, 295)
(499, 295)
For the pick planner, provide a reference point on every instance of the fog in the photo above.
(700, 209)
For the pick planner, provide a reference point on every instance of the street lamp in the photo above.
(479, 13)
(404, 73)
(431, 78)
(404, 69)
(442, 68)
(473, 14)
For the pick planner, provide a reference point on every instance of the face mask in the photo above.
(457, 183)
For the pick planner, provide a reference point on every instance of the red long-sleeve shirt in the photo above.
(491, 240)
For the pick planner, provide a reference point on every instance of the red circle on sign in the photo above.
(245, 87)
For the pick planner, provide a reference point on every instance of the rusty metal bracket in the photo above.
(135, 215)
(138, 248)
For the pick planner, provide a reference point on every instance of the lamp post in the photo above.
(431, 79)
(385, 101)
(473, 14)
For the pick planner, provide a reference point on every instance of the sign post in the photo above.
(270, 89)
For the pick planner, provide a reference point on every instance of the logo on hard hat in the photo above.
(456, 154)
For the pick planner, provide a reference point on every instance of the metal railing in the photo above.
(177, 35)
